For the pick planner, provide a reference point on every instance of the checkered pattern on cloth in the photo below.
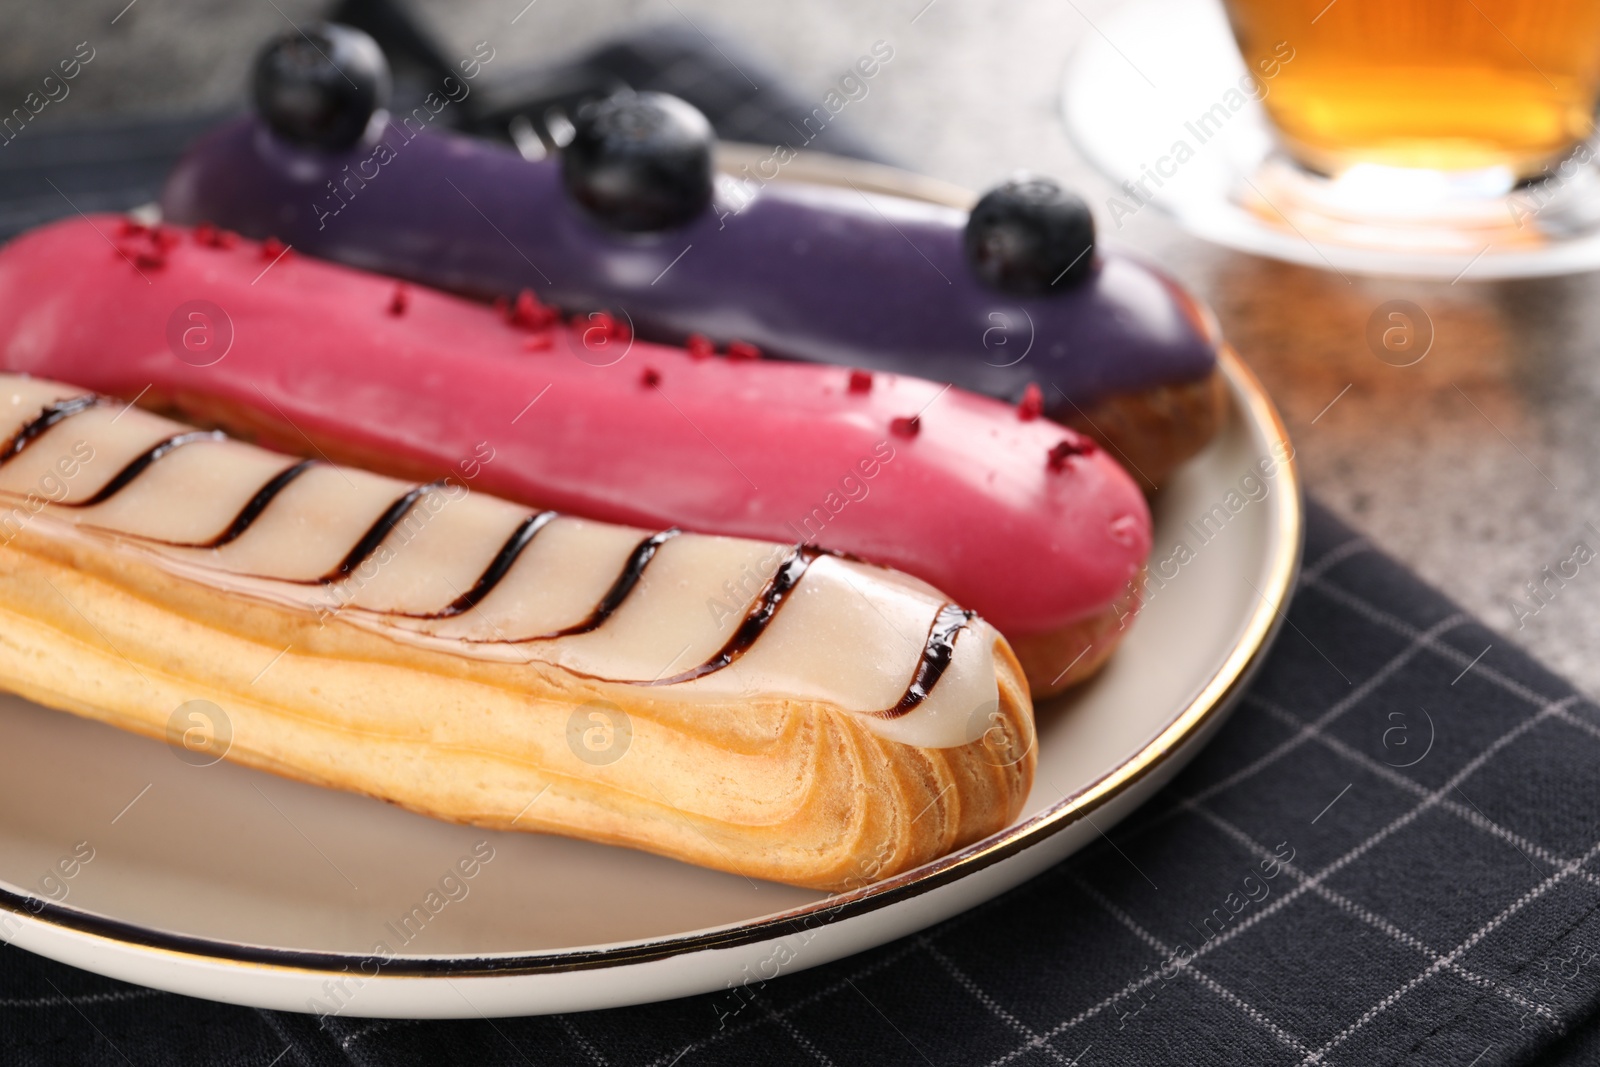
(1331, 881)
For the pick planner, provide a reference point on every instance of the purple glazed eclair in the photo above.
(1011, 300)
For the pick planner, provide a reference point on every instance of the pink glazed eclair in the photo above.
(1011, 515)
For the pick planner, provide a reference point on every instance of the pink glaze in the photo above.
(962, 492)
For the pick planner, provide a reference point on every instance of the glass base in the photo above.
(1419, 211)
(1131, 108)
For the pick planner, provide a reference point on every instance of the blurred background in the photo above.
(1479, 465)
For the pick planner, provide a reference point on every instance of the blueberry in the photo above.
(640, 161)
(319, 88)
(1030, 236)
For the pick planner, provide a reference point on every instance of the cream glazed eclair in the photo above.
(453, 653)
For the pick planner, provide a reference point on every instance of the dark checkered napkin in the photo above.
(1388, 856)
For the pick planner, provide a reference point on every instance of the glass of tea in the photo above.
(1501, 88)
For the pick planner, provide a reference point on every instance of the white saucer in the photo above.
(1158, 73)
(234, 885)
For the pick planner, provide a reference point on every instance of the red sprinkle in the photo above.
(743, 350)
(1065, 450)
(539, 342)
(272, 248)
(860, 381)
(139, 257)
(906, 426)
(1032, 405)
(650, 378)
(600, 327)
(208, 236)
(700, 346)
(146, 246)
(529, 314)
(398, 302)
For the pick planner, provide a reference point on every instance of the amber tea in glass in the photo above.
(1447, 85)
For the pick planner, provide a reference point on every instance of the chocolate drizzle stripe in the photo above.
(140, 463)
(377, 533)
(255, 505)
(638, 560)
(936, 655)
(48, 417)
(756, 620)
(497, 569)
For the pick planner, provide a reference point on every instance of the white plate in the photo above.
(234, 885)
(1161, 72)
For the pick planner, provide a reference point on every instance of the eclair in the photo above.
(478, 661)
(1012, 300)
(1014, 516)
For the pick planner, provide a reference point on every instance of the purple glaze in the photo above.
(802, 271)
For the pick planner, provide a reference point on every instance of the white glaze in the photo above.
(850, 634)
